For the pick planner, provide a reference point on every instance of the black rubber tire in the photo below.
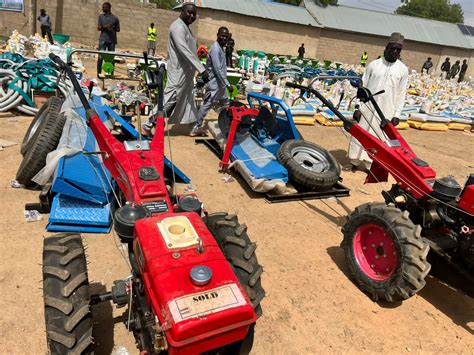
(66, 295)
(304, 176)
(413, 267)
(45, 140)
(52, 108)
(232, 238)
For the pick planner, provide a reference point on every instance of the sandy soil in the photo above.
(311, 305)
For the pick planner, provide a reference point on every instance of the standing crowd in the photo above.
(387, 72)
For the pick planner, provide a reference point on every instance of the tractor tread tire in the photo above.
(232, 238)
(413, 267)
(66, 295)
(52, 108)
(309, 179)
(46, 140)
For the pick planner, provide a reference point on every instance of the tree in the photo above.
(441, 10)
(164, 4)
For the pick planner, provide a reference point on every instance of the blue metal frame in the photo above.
(83, 177)
(286, 128)
(83, 187)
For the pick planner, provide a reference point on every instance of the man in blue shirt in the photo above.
(108, 26)
(218, 83)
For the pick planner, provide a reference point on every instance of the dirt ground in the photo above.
(311, 305)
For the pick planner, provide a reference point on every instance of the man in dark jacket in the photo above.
(301, 51)
(229, 49)
(445, 67)
(463, 70)
(454, 70)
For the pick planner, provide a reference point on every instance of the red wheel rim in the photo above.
(375, 252)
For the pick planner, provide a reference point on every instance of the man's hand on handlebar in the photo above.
(357, 115)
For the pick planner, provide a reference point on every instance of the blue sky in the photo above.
(391, 5)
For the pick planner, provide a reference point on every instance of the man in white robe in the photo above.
(217, 68)
(388, 74)
(183, 64)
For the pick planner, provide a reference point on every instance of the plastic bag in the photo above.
(72, 142)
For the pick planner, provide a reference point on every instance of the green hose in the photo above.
(30, 74)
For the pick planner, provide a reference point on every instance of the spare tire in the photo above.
(309, 164)
(52, 107)
(44, 141)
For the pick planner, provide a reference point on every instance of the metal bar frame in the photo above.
(338, 190)
(94, 51)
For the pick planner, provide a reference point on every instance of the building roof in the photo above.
(468, 32)
(262, 9)
(383, 24)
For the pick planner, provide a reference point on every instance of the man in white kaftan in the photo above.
(183, 64)
(388, 74)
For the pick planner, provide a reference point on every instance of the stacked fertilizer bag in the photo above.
(17, 43)
(434, 104)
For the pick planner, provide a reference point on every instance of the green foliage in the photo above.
(441, 10)
(164, 4)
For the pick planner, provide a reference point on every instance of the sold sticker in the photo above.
(208, 302)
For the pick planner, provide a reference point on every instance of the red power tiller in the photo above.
(195, 284)
(389, 246)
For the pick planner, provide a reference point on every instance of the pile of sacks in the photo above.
(436, 104)
(35, 46)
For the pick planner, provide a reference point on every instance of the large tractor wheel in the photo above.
(67, 308)
(385, 253)
(51, 109)
(44, 140)
(309, 164)
(240, 252)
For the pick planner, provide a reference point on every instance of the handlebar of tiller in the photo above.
(161, 86)
(149, 78)
(320, 97)
(347, 122)
(82, 97)
(75, 83)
